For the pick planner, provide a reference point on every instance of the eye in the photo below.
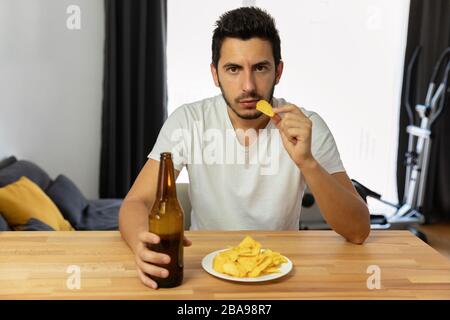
(261, 68)
(232, 69)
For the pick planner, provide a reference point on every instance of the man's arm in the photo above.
(336, 197)
(340, 204)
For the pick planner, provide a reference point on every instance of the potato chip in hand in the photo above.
(265, 107)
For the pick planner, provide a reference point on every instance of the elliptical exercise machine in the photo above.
(408, 212)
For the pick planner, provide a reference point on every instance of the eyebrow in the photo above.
(230, 64)
(261, 63)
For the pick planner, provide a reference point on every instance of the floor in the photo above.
(438, 236)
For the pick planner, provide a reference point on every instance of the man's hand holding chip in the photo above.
(295, 130)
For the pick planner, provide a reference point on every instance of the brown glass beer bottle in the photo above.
(167, 221)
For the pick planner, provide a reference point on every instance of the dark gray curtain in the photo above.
(429, 27)
(134, 91)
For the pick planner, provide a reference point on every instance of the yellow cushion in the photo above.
(23, 199)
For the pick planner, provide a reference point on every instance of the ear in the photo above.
(279, 72)
(215, 75)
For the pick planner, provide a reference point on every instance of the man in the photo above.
(229, 194)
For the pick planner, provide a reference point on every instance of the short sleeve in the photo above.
(171, 138)
(323, 146)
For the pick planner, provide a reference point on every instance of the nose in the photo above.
(248, 82)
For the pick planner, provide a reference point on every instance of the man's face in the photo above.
(245, 74)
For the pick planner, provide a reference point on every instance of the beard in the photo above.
(250, 95)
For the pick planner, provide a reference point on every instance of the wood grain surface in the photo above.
(33, 265)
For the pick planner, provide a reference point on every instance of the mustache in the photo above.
(249, 95)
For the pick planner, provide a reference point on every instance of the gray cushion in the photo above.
(35, 225)
(4, 226)
(68, 198)
(20, 168)
(102, 214)
(7, 161)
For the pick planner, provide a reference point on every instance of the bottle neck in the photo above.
(166, 180)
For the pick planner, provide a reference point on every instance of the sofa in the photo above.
(81, 213)
(102, 214)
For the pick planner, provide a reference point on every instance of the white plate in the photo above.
(207, 264)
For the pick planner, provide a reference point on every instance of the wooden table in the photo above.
(33, 265)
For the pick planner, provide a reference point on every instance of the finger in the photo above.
(146, 280)
(187, 242)
(276, 120)
(152, 269)
(289, 123)
(296, 133)
(294, 116)
(286, 139)
(279, 124)
(289, 108)
(154, 257)
(286, 108)
(292, 120)
(149, 237)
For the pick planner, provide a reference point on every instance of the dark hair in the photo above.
(245, 23)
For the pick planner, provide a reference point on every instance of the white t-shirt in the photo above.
(233, 187)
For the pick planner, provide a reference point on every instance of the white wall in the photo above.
(343, 59)
(51, 87)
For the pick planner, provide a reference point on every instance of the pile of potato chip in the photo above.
(248, 260)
